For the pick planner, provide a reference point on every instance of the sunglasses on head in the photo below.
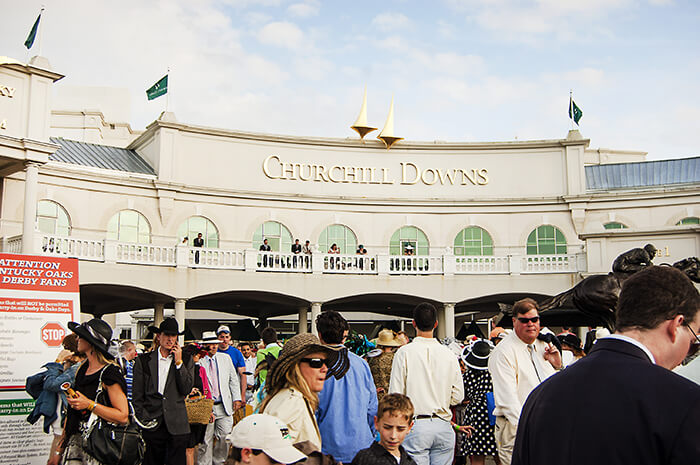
(315, 362)
(524, 320)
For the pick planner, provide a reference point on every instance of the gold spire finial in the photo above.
(387, 134)
(361, 126)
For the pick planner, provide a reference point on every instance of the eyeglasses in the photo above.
(525, 321)
(315, 362)
(694, 346)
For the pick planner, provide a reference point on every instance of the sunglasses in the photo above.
(524, 320)
(315, 362)
(695, 345)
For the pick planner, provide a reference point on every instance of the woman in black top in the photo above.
(94, 339)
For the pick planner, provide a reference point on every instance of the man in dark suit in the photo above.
(162, 379)
(621, 404)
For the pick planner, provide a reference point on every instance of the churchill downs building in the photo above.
(462, 225)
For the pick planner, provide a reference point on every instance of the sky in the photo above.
(458, 70)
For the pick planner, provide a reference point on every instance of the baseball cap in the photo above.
(223, 329)
(266, 433)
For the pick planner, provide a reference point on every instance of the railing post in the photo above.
(4, 244)
(514, 264)
(250, 260)
(182, 255)
(449, 265)
(317, 260)
(582, 263)
(110, 252)
(383, 264)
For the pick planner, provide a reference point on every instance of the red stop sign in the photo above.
(52, 334)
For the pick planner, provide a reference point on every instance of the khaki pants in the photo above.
(505, 439)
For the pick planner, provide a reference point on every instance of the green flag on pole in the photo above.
(158, 89)
(575, 112)
(32, 34)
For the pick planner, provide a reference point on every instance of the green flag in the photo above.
(575, 112)
(158, 89)
(32, 34)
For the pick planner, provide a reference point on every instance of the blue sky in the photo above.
(459, 70)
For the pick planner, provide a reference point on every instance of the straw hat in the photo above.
(387, 338)
(299, 346)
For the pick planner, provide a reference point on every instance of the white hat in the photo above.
(223, 329)
(209, 337)
(266, 433)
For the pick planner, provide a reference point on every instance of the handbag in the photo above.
(110, 443)
(199, 409)
(490, 406)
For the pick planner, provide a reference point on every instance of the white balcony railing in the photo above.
(199, 257)
(354, 264)
(144, 254)
(289, 262)
(564, 263)
(481, 264)
(12, 244)
(66, 246)
(432, 264)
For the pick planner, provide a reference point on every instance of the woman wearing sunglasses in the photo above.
(295, 380)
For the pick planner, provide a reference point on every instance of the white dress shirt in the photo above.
(250, 364)
(428, 373)
(515, 374)
(163, 369)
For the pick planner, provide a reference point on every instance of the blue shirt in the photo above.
(236, 356)
(129, 377)
(346, 410)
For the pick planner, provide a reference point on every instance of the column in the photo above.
(158, 314)
(441, 334)
(31, 186)
(303, 320)
(449, 310)
(180, 317)
(315, 311)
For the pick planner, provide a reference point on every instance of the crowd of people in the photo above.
(522, 396)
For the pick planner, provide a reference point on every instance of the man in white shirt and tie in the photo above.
(226, 392)
(517, 366)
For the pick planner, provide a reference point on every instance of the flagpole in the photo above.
(167, 93)
(571, 108)
(41, 30)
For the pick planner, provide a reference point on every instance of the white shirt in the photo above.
(163, 369)
(622, 337)
(514, 375)
(428, 373)
(250, 364)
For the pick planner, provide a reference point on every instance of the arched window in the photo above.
(340, 235)
(409, 240)
(129, 226)
(199, 224)
(689, 220)
(473, 241)
(51, 218)
(277, 235)
(614, 225)
(546, 240)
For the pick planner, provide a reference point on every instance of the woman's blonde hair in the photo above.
(296, 381)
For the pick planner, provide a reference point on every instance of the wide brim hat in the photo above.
(571, 340)
(168, 326)
(297, 348)
(209, 337)
(387, 338)
(477, 355)
(97, 333)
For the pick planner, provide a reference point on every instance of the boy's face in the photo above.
(393, 429)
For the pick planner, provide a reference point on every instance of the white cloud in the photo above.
(304, 9)
(282, 34)
(391, 21)
(314, 68)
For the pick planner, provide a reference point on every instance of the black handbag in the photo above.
(113, 444)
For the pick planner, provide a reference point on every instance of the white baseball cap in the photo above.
(223, 329)
(266, 433)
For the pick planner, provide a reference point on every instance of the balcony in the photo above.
(182, 256)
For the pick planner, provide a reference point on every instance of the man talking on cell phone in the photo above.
(162, 379)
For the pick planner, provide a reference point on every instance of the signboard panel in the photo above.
(38, 297)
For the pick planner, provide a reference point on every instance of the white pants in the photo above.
(505, 439)
(431, 442)
(215, 453)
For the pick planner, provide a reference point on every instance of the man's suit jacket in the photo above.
(229, 384)
(613, 407)
(149, 403)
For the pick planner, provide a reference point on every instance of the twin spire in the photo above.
(363, 128)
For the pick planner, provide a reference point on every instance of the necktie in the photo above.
(214, 379)
(531, 349)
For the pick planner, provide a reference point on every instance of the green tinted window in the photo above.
(199, 224)
(546, 240)
(277, 235)
(409, 238)
(614, 225)
(51, 218)
(689, 220)
(340, 235)
(473, 241)
(129, 226)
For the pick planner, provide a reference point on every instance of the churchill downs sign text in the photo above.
(411, 173)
